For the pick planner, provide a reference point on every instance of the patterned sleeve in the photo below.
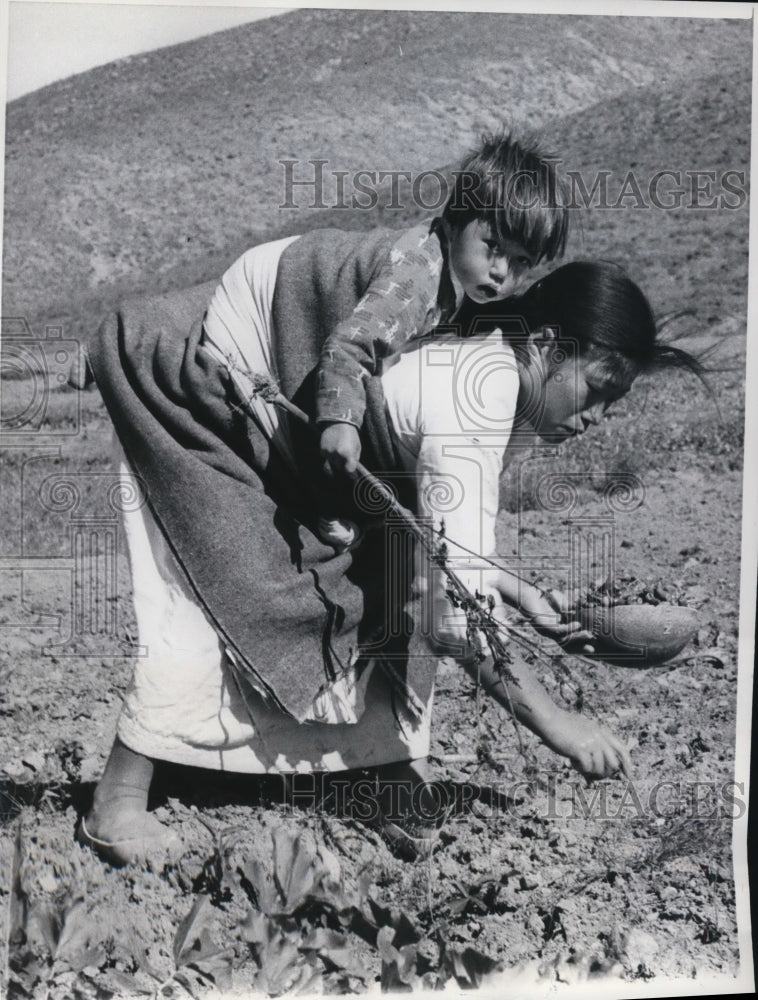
(399, 304)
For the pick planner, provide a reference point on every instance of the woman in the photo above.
(269, 651)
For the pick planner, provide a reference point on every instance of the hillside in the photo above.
(685, 256)
(156, 170)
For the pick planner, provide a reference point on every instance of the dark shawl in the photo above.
(289, 609)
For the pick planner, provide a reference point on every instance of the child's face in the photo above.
(576, 394)
(487, 267)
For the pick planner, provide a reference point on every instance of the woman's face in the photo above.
(576, 393)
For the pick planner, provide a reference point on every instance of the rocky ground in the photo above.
(553, 879)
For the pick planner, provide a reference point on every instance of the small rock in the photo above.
(91, 768)
(15, 769)
(530, 881)
(698, 594)
(640, 947)
(535, 924)
(48, 882)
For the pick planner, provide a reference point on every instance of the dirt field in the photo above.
(544, 876)
(567, 880)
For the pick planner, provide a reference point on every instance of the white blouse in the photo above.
(451, 404)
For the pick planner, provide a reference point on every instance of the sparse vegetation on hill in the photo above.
(158, 169)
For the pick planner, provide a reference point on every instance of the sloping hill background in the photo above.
(157, 170)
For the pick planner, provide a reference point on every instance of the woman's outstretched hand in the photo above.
(550, 614)
(592, 750)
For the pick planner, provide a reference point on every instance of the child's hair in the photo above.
(511, 184)
(596, 306)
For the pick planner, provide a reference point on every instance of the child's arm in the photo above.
(399, 304)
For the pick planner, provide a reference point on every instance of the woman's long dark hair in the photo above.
(595, 304)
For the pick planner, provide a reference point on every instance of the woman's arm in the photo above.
(545, 610)
(457, 471)
(593, 751)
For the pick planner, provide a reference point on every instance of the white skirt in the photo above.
(183, 704)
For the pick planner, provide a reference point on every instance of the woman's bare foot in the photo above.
(133, 837)
(411, 811)
(118, 827)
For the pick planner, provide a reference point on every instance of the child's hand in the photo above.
(593, 751)
(340, 448)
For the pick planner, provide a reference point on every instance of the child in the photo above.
(183, 704)
(504, 216)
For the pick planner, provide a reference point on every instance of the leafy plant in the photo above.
(305, 925)
(50, 941)
(198, 959)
